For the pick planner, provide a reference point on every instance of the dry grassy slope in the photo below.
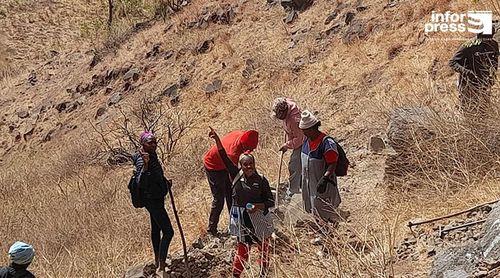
(352, 86)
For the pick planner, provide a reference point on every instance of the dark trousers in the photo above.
(161, 229)
(220, 185)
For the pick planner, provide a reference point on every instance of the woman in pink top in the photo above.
(287, 110)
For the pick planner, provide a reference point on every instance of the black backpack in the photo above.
(135, 192)
(342, 161)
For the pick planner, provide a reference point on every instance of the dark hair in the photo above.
(316, 126)
(19, 266)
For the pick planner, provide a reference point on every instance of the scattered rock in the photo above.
(290, 17)
(108, 90)
(205, 46)
(223, 15)
(317, 241)
(297, 5)
(349, 16)
(114, 99)
(213, 87)
(355, 31)
(172, 93)
(473, 258)
(100, 111)
(168, 54)
(154, 51)
(23, 114)
(62, 106)
(394, 51)
(377, 144)
(32, 79)
(249, 68)
(183, 81)
(132, 74)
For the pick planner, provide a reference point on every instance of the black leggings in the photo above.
(159, 223)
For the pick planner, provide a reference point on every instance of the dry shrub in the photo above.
(444, 150)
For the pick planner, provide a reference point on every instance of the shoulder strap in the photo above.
(238, 177)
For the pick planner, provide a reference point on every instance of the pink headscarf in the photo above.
(146, 136)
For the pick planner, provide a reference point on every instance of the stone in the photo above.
(132, 74)
(331, 17)
(32, 79)
(154, 51)
(467, 259)
(349, 16)
(198, 244)
(317, 241)
(114, 99)
(213, 87)
(183, 81)
(204, 46)
(404, 123)
(334, 29)
(108, 90)
(376, 144)
(62, 106)
(356, 30)
(100, 111)
(290, 17)
(170, 91)
(249, 69)
(297, 5)
(23, 114)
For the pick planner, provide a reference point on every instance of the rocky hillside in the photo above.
(65, 95)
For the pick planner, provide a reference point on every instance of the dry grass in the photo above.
(77, 212)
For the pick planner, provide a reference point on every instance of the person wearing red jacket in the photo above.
(235, 143)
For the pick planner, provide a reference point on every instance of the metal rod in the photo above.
(445, 231)
(411, 224)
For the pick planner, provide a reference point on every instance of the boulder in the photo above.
(404, 123)
(473, 258)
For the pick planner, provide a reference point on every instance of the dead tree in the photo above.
(110, 13)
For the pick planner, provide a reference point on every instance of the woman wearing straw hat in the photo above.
(320, 192)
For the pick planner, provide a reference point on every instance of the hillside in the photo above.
(220, 64)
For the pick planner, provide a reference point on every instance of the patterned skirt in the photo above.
(260, 226)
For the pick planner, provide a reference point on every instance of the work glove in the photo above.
(322, 184)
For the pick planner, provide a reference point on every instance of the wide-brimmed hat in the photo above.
(307, 120)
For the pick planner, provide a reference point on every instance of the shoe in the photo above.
(213, 232)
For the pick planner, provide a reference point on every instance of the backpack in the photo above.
(135, 192)
(342, 161)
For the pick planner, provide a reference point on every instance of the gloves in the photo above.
(323, 182)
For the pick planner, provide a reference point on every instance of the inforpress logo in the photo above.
(472, 21)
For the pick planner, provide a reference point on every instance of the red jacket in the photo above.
(235, 143)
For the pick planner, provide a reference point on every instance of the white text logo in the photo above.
(473, 21)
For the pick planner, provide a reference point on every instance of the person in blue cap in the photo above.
(21, 255)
